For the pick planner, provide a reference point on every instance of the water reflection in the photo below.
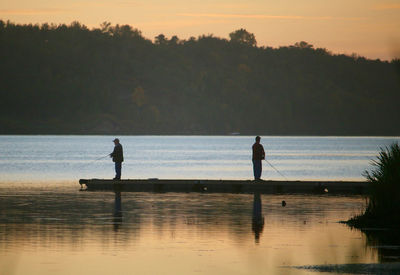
(117, 221)
(387, 243)
(186, 233)
(258, 219)
(384, 242)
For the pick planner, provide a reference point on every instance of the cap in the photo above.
(116, 139)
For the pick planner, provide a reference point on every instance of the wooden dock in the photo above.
(225, 186)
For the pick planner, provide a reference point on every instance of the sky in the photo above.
(369, 28)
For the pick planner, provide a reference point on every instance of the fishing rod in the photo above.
(93, 161)
(102, 157)
(276, 169)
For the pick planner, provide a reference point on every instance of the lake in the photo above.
(48, 226)
(27, 159)
(47, 230)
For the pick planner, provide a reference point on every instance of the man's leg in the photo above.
(257, 169)
(254, 169)
(118, 167)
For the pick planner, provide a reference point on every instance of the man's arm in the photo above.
(263, 152)
(113, 153)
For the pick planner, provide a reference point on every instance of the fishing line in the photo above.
(276, 169)
(93, 161)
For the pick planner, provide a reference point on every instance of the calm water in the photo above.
(48, 226)
(67, 158)
(48, 230)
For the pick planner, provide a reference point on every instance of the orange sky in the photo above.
(369, 28)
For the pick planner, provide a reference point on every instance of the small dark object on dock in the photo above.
(283, 203)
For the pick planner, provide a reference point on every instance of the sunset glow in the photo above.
(368, 28)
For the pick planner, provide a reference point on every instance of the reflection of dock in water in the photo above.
(226, 186)
(257, 221)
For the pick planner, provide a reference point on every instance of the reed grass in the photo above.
(383, 208)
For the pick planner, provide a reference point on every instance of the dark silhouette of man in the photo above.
(118, 157)
(258, 156)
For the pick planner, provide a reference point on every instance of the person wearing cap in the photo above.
(258, 156)
(118, 157)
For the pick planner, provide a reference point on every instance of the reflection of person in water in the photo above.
(258, 219)
(117, 220)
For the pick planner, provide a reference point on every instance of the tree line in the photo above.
(69, 79)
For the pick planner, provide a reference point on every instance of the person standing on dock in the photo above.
(258, 156)
(118, 157)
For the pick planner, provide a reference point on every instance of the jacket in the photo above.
(258, 152)
(118, 154)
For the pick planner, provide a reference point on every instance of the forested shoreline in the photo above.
(68, 79)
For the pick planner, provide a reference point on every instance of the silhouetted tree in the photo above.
(69, 79)
(160, 39)
(243, 37)
(303, 45)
